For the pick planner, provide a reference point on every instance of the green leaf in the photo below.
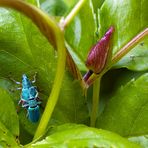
(48, 26)
(23, 49)
(70, 3)
(72, 135)
(6, 138)
(136, 59)
(80, 35)
(72, 105)
(54, 7)
(97, 4)
(8, 114)
(129, 18)
(126, 111)
(141, 140)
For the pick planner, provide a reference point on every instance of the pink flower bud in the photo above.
(97, 56)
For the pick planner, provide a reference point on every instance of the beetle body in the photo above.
(29, 99)
(28, 93)
(33, 112)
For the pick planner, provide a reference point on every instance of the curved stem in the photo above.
(95, 104)
(56, 37)
(65, 22)
(52, 100)
(38, 3)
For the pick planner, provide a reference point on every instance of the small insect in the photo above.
(29, 98)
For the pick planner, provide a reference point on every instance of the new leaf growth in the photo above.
(97, 56)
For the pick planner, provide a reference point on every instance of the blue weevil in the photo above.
(28, 91)
(29, 98)
(33, 112)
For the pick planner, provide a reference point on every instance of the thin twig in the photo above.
(65, 22)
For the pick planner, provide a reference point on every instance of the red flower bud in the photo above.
(97, 56)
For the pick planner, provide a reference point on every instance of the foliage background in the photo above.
(123, 98)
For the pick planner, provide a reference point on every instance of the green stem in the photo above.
(38, 3)
(52, 100)
(65, 22)
(116, 58)
(95, 104)
(124, 50)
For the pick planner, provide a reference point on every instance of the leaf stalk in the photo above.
(95, 103)
(125, 49)
(53, 98)
(65, 22)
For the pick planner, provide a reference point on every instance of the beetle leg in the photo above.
(19, 88)
(34, 78)
(19, 83)
(25, 105)
(20, 102)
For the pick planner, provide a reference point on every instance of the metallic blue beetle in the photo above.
(28, 91)
(29, 98)
(33, 112)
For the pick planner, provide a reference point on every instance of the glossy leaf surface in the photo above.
(137, 58)
(141, 140)
(25, 50)
(111, 13)
(129, 19)
(54, 7)
(126, 111)
(8, 113)
(80, 35)
(70, 135)
(6, 138)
